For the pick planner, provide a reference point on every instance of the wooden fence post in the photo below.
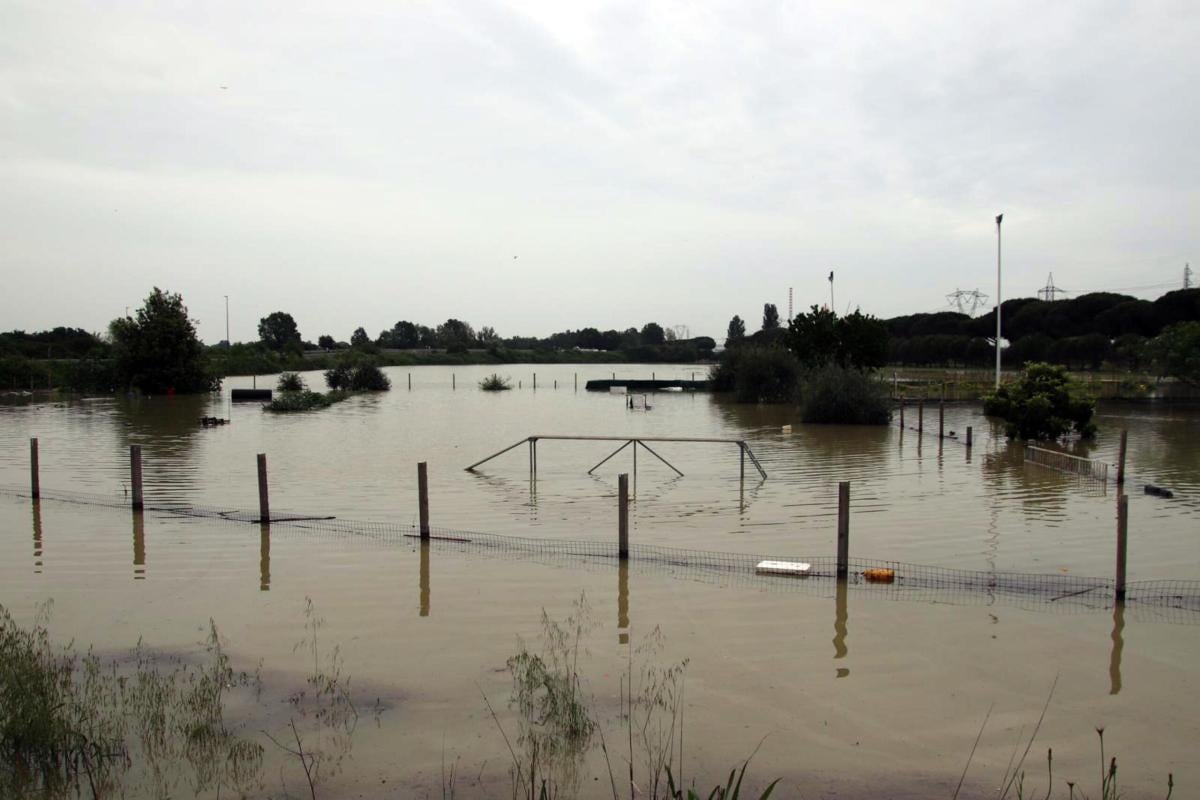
(843, 531)
(535, 381)
(453, 381)
(35, 483)
(410, 381)
(921, 415)
(942, 419)
(623, 516)
(264, 501)
(1122, 543)
(135, 474)
(1121, 458)
(969, 440)
(423, 498)
(901, 413)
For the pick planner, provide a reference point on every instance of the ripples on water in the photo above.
(912, 499)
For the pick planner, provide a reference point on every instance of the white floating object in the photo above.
(671, 389)
(787, 429)
(617, 389)
(799, 568)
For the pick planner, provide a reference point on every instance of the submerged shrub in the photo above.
(843, 396)
(1044, 403)
(339, 376)
(304, 400)
(494, 383)
(290, 382)
(369, 378)
(757, 374)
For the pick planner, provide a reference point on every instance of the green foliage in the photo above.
(1176, 351)
(359, 339)
(158, 350)
(326, 342)
(770, 320)
(357, 376)
(757, 374)
(74, 727)
(57, 343)
(820, 337)
(1044, 403)
(290, 382)
(653, 334)
(494, 383)
(836, 395)
(304, 400)
(278, 331)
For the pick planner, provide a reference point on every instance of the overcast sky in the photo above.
(550, 165)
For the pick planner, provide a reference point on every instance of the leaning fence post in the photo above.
(623, 516)
(264, 502)
(843, 530)
(423, 498)
(135, 474)
(1121, 458)
(1122, 543)
(35, 484)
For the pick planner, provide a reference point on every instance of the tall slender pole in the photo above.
(264, 500)
(423, 498)
(35, 483)
(227, 340)
(135, 474)
(843, 531)
(832, 307)
(999, 219)
(1122, 543)
(623, 516)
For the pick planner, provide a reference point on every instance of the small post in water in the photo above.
(921, 415)
(969, 441)
(843, 530)
(423, 498)
(410, 381)
(1122, 543)
(35, 484)
(577, 381)
(264, 501)
(623, 516)
(901, 413)
(1121, 458)
(535, 381)
(453, 381)
(942, 419)
(135, 474)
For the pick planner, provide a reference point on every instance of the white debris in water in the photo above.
(799, 568)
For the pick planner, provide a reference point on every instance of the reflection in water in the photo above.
(623, 602)
(841, 616)
(166, 428)
(37, 537)
(139, 546)
(424, 579)
(1118, 645)
(264, 557)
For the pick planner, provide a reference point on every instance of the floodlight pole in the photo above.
(227, 341)
(999, 219)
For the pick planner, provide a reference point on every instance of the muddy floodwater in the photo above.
(862, 691)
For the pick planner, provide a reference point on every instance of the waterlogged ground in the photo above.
(865, 693)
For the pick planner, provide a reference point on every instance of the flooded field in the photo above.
(863, 692)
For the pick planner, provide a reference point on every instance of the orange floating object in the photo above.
(880, 575)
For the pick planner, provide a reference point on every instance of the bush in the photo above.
(757, 374)
(360, 376)
(1176, 351)
(841, 396)
(1044, 403)
(290, 382)
(494, 383)
(304, 400)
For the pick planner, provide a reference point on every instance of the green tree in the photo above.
(158, 351)
(770, 317)
(1176, 351)
(278, 330)
(736, 331)
(326, 342)
(653, 334)
(820, 337)
(455, 333)
(359, 338)
(1044, 403)
(813, 337)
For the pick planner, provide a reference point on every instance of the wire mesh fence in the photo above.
(1175, 601)
(1065, 462)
